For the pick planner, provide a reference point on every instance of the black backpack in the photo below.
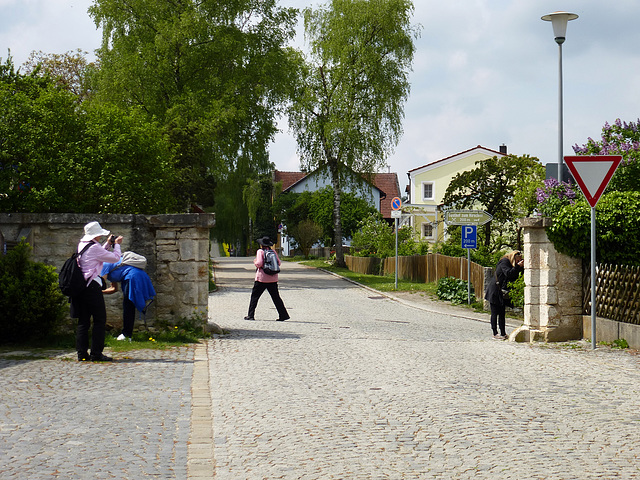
(71, 279)
(270, 266)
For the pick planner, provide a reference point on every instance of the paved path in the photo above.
(359, 386)
(130, 419)
(354, 386)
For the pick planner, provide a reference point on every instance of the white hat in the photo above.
(93, 230)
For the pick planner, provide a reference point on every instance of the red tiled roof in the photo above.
(288, 178)
(387, 183)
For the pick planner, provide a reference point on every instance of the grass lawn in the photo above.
(166, 338)
(386, 283)
(383, 283)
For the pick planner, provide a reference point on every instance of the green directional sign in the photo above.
(467, 217)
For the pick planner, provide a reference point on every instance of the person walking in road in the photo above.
(90, 303)
(508, 269)
(264, 281)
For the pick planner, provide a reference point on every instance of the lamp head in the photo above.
(559, 22)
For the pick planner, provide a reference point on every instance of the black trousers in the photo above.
(90, 304)
(498, 318)
(128, 317)
(272, 288)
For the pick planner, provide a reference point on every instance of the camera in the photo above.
(112, 240)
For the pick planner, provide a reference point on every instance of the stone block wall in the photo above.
(553, 288)
(176, 247)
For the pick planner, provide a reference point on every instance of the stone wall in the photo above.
(553, 288)
(176, 247)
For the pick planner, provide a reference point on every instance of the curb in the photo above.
(510, 322)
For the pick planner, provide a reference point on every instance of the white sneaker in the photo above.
(121, 337)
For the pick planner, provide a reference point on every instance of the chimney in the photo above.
(503, 149)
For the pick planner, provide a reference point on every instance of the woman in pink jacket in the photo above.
(90, 303)
(264, 281)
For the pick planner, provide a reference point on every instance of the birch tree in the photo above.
(347, 116)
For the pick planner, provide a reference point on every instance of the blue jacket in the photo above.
(136, 284)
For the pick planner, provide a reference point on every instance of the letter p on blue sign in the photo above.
(469, 236)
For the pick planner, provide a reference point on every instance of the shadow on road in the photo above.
(242, 334)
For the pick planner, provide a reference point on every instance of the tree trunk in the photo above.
(337, 222)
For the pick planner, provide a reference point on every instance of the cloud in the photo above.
(485, 71)
(53, 26)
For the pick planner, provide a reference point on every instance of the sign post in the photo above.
(396, 205)
(469, 220)
(593, 173)
(467, 217)
(469, 241)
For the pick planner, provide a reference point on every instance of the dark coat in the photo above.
(505, 273)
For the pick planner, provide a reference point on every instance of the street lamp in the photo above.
(559, 22)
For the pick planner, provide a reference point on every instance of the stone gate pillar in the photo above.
(553, 289)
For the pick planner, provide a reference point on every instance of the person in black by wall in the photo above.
(508, 269)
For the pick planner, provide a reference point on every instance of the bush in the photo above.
(617, 224)
(553, 196)
(485, 257)
(31, 303)
(453, 289)
(516, 294)
(374, 238)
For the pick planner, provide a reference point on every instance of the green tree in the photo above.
(306, 234)
(58, 156)
(504, 187)
(293, 208)
(70, 70)
(353, 209)
(348, 112)
(257, 195)
(215, 73)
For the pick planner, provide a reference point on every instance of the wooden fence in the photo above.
(617, 292)
(421, 268)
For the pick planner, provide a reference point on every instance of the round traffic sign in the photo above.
(396, 203)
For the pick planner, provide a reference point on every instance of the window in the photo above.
(428, 191)
(427, 230)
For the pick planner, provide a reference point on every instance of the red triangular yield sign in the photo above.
(593, 173)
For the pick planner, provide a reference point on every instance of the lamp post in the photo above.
(559, 22)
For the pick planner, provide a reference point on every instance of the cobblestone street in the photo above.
(359, 386)
(62, 419)
(356, 385)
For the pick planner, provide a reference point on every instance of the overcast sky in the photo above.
(485, 72)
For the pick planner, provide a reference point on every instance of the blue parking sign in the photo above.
(469, 236)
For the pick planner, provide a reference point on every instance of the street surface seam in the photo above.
(200, 464)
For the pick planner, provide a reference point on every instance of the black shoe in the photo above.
(83, 357)
(249, 318)
(100, 358)
(282, 319)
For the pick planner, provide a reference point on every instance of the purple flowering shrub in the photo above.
(621, 138)
(553, 196)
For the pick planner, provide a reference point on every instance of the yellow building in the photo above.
(428, 184)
